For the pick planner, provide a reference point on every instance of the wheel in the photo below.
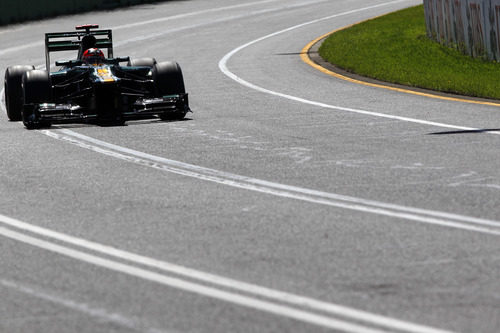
(14, 91)
(36, 90)
(148, 62)
(168, 80)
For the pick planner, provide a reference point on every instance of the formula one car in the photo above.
(92, 87)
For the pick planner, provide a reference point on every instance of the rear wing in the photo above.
(78, 40)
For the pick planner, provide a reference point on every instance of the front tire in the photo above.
(36, 90)
(14, 91)
(169, 80)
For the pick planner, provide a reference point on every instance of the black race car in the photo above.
(93, 88)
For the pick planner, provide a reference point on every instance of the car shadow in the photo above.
(154, 121)
(474, 131)
(142, 122)
(292, 53)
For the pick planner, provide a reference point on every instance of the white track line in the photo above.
(196, 288)
(213, 22)
(358, 204)
(366, 322)
(223, 67)
(131, 25)
(283, 297)
(186, 15)
(294, 192)
(255, 290)
(8, 50)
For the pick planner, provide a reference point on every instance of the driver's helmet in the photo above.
(93, 56)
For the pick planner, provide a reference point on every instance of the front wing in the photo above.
(142, 108)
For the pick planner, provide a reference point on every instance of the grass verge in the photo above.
(395, 48)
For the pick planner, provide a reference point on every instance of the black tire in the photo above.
(14, 91)
(147, 62)
(168, 80)
(36, 90)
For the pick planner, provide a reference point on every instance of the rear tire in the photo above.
(36, 90)
(14, 91)
(169, 80)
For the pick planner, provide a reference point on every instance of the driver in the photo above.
(93, 56)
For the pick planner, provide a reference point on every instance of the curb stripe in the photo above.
(304, 55)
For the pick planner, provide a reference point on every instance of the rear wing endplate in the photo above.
(68, 41)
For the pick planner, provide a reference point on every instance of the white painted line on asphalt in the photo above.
(41, 43)
(185, 15)
(223, 67)
(214, 21)
(8, 50)
(326, 307)
(227, 72)
(102, 314)
(363, 318)
(331, 199)
(196, 288)
(293, 192)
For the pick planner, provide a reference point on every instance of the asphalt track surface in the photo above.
(289, 201)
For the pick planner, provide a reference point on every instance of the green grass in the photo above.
(395, 48)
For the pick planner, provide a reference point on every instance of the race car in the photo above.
(93, 87)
